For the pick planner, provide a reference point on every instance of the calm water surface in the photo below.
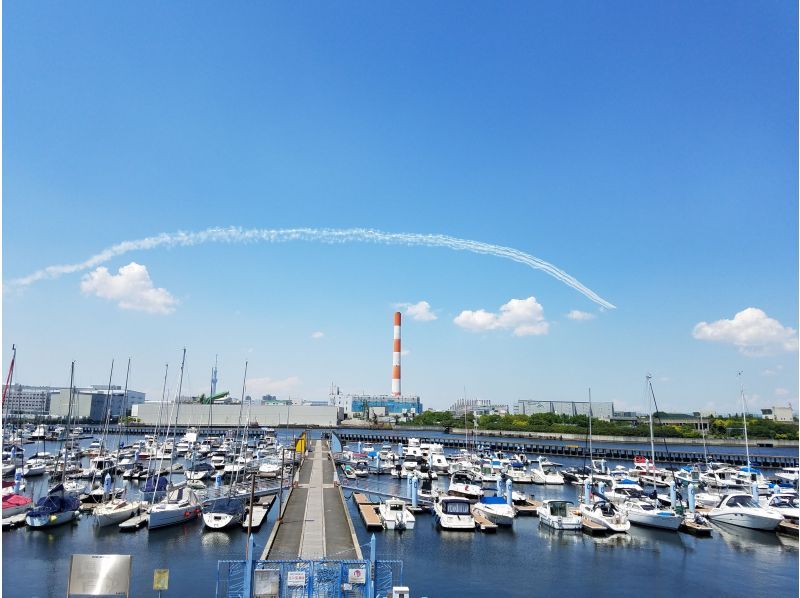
(527, 560)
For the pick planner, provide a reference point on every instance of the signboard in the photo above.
(357, 575)
(266, 583)
(161, 579)
(100, 575)
(296, 579)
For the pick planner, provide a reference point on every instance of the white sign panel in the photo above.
(296, 579)
(357, 575)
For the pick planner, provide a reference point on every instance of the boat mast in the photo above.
(744, 419)
(703, 434)
(10, 372)
(69, 414)
(243, 446)
(177, 410)
(650, 401)
(591, 457)
(125, 400)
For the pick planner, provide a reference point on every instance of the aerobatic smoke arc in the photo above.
(317, 235)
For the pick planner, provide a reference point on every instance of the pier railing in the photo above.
(317, 579)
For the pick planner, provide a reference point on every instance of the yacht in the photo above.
(395, 515)
(34, 467)
(496, 509)
(641, 511)
(180, 505)
(115, 511)
(520, 476)
(604, 513)
(738, 508)
(559, 515)
(463, 484)
(269, 470)
(453, 513)
(786, 503)
(545, 474)
(789, 474)
(439, 463)
(199, 471)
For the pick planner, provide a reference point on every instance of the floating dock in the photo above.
(134, 523)
(529, 508)
(259, 512)
(368, 511)
(789, 528)
(482, 523)
(314, 523)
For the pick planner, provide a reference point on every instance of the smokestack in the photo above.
(396, 357)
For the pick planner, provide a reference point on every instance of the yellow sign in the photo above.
(300, 445)
(161, 579)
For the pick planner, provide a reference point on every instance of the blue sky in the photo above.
(648, 150)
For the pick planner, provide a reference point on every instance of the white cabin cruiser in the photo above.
(738, 508)
(453, 513)
(558, 514)
(641, 511)
(496, 509)
(463, 484)
(545, 474)
(789, 474)
(786, 503)
(604, 513)
(395, 515)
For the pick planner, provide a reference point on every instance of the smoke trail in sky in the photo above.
(319, 235)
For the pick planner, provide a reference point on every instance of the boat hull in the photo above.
(747, 520)
(50, 520)
(668, 522)
(560, 523)
(220, 520)
(114, 516)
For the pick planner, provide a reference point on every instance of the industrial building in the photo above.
(778, 414)
(367, 406)
(33, 401)
(600, 409)
(477, 407)
(90, 403)
(197, 414)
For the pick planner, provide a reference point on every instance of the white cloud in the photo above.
(418, 311)
(772, 371)
(405, 352)
(580, 316)
(131, 287)
(258, 387)
(318, 334)
(524, 316)
(752, 331)
(781, 392)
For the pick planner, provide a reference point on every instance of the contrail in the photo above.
(319, 235)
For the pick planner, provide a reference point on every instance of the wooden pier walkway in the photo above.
(368, 511)
(315, 523)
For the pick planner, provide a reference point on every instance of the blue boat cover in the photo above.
(493, 500)
(151, 485)
(55, 502)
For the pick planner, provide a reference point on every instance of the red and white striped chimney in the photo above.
(396, 357)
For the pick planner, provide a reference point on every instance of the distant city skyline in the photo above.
(555, 197)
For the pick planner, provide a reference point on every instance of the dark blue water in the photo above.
(524, 561)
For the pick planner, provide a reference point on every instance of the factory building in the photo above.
(600, 409)
(29, 401)
(367, 406)
(90, 403)
(477, 407)
(197, 414)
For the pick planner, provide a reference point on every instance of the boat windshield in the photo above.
(785, 502)
(455, 508)
(742, 501)
(558, 509)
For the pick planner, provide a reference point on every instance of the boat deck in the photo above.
(315, 523)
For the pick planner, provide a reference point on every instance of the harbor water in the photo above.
(525, 560)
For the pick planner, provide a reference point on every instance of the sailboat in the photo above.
(230, 510)
(597, 508)
(116, 509)
(643, 510)
(58, 506)
(181, 504)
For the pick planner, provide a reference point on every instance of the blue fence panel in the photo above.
(388, 574)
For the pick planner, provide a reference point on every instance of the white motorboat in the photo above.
(395, 515)
(558, 514)
(39, 433)
(224, 512)
(789, 474)
(439, 463)
(179, 506)
(641, 511)
(520, 476)
(496, 510)
(453, 513)
(115, 511)
(786, 503)
(199, 471)
(741, 509)
(707, 500)
(269, 470)
(604, 513)
(623, 490)
(218, 461)
(462, 484)
(545, 474)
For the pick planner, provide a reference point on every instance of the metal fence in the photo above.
(308, 579)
